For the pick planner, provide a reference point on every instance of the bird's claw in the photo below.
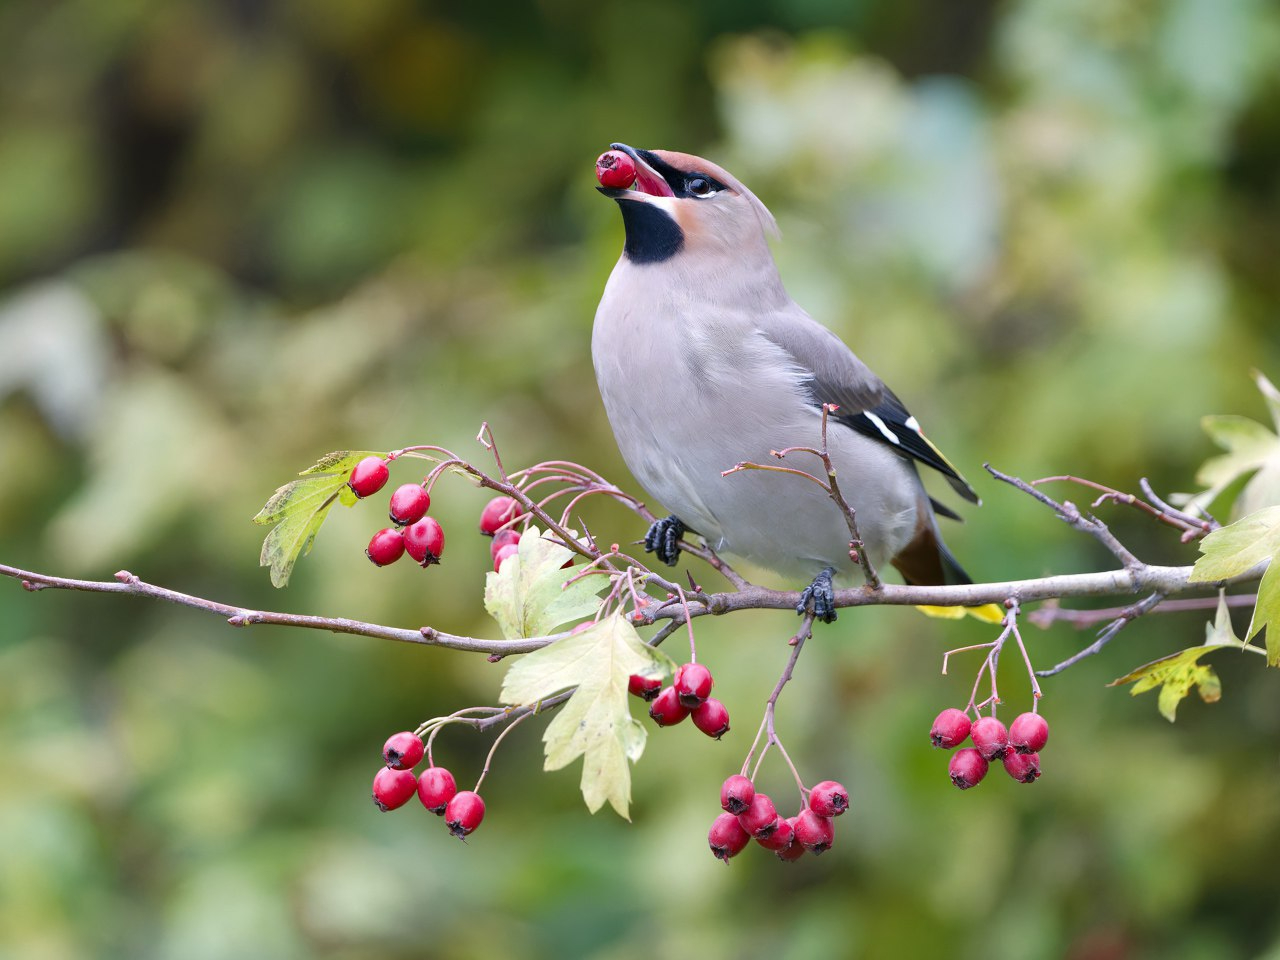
(663, 539)
(819, 598)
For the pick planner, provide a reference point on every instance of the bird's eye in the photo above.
(699, 186)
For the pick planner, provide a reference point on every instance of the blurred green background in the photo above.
(236, 235)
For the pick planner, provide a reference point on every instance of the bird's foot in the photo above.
(819, 598)
(663, 539)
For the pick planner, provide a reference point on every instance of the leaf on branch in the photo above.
(299, 507)
(1176, 674)
(1237, 549)
(596, 722)
(528, 596)
(1251, 448)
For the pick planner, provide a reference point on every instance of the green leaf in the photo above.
(1176, 674)
(1250, 447)
(1238, 547)
(1271, 395)
(596, 722)
(1266, 612)
(528, 596)
(299, 507)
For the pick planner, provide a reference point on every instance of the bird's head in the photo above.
(683, 205)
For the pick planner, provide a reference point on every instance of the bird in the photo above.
(704, 361)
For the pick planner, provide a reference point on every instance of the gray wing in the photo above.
(835, 375)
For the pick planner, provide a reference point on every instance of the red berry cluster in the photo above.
(688, 695)
(414, 532)
(750, 815)
(395, 783)
(1017, 747)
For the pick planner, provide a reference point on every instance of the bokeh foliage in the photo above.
(236, 235)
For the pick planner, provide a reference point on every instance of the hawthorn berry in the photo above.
(666, 708)
(736, 794)
(393, 788)
(1028, 733)
(990, 737)
(424, 541)
(463, 813)
(760, 819)
(497, 513)
(502, 538)
(950, 729)
(712, 718)
(813, 832)
(693, 684)
(967, 768)
(386, 546)
(794, 850)
(726, 837)
(402, 751)
(829, 799)
(368, 476)
(615, 169)
(510, 550)
(781, 837)
(646, 688)
(409, 504)
(436, 787)
(1023, 767)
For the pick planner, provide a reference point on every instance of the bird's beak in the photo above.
(649, 183)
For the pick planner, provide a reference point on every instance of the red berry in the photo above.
(813, 832)
(402, 751)
(409, 504)
(387, 546)
(760, 818)
(829, 799)
(950, 729)
(793, 851)
(503, 538)
(726, 837)
(463, 813)
(497, 513)
(615, 169)
(393, 788)
(990, 737)
(436, 787)
(424, 541)
(712, 718)
(1029, 733)
(510, 550)
(736, 794)
(1023, 767)
(666, 709)
(781, 836)
(967, 768)
(368, 476)
(646, 688)
(693, 684)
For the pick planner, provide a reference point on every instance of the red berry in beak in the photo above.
(615, 169)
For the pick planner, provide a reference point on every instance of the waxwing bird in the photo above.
(704, 361)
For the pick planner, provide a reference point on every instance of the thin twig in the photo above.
(1108, 633)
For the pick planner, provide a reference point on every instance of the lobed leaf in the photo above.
(299, 507)
(528, 596)
(1176, 674)
(596, 722)
(1238, 547)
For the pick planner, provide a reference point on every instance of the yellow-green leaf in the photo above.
(1266, 612)
(299, 507)
(1176, 674)
(528, 596)
(596, 723)
(1239, 547)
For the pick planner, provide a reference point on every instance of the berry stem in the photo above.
(688, 619)
(497, 740)
(767, 729)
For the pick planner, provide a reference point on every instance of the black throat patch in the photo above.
(652, 236)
